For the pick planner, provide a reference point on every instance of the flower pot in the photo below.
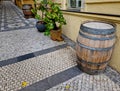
(40, 26)
(56, 35)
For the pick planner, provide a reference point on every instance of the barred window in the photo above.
(75, 4)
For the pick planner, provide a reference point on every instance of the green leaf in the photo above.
(47, 32)
(50, 26)
(49, 15)
(34, 11)
(38, 17)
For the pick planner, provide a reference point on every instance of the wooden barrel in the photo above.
(94, 46)
(27, 10)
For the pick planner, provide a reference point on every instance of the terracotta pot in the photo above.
(56, 35)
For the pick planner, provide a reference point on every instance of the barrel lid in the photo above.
(98, 27)
(26, 6)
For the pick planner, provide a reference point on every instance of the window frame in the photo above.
(77, 7)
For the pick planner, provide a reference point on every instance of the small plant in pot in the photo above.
(54, 20)
(40, 24)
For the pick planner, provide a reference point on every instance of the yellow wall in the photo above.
(73, 25)
(28, 2)
(21, 2)
(116, 54)
(103, 6)
(96, 6)
(103, 1)
(62, 4)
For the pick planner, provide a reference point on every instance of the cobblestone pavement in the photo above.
(36, 69)
(30, 61)
(16, 43)
(11, 18)
(85, 82)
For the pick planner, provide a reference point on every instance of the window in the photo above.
(75, 4)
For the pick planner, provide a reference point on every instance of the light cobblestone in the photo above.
(24, 41)
(36, 69)
(16, 43)
(85, 82)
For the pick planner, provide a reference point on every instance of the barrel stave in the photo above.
(27, 10)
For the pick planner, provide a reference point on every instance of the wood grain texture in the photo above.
(87, 50)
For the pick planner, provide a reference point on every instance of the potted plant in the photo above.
(40, 24)
(54, 20)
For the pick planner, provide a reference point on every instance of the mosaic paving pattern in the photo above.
(30, 55)
(113, 75)
(27, 55)
(16, 43)
(85, 82)
(69, 41)
(11, 17)
(36, 69)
